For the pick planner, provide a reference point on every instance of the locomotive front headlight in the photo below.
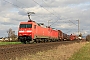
(29, 31)
(21, 31)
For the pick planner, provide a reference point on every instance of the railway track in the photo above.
(12, 52)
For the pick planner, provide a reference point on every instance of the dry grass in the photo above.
(62, 52)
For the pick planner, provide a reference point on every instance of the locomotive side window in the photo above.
(25, 25)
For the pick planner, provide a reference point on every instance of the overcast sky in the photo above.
(61, 14)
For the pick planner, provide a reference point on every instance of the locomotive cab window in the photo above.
(25, 25)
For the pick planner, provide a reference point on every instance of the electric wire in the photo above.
(53, 11)
(12, 4)
(26, 6)
(48, 11)
(39, 5)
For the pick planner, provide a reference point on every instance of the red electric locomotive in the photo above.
(54, 35)
(31, 31)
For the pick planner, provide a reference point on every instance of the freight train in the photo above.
(37, 32)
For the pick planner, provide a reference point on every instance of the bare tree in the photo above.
(11, 34)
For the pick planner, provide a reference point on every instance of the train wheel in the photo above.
(36, 40)
(21, 41)
(24, 42)
(44, 41)
(28, 42)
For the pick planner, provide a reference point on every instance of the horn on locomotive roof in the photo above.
(29, 13)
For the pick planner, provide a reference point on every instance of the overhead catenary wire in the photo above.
(21, 3)
(12, 4)
(25, 5)
(53, 11)
(48, 11)
(72, 22)
(39, 5)
(15, 4)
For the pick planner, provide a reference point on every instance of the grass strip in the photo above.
(82, 54)
(8, 43)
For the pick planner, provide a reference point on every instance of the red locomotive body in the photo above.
(54, 35)
(31, 31)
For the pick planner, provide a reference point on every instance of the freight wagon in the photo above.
(73, 37)
(60, 35)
